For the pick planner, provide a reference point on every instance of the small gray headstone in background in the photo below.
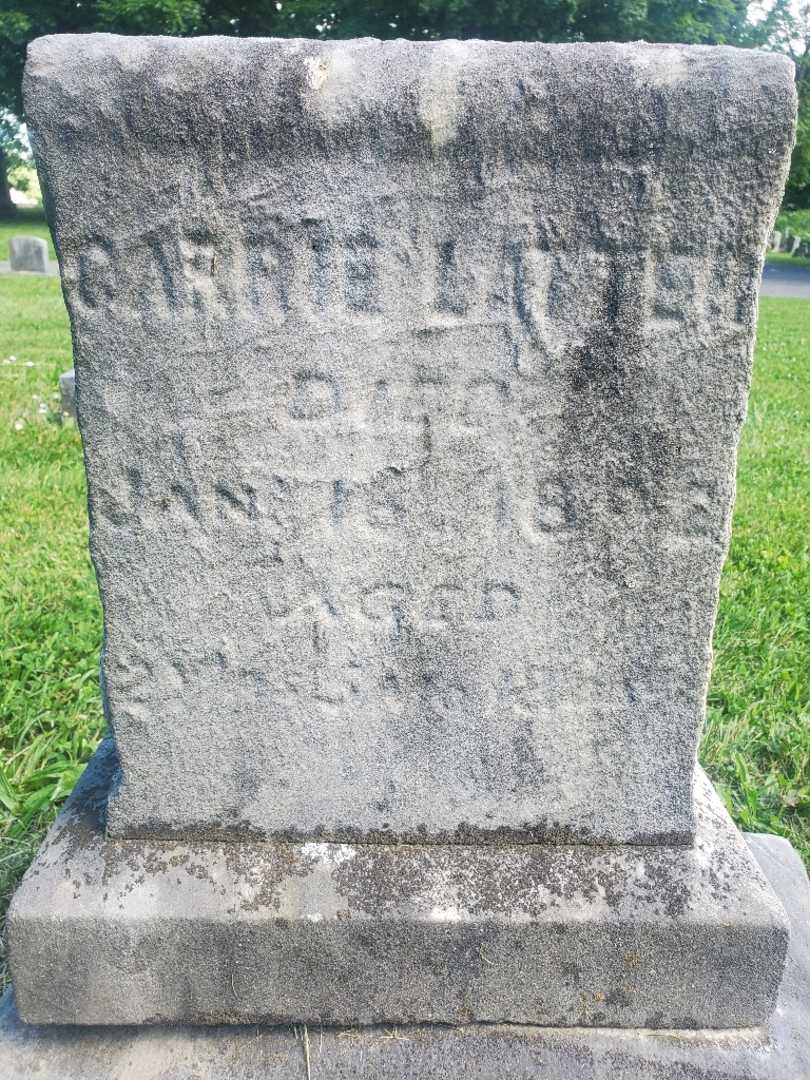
(67, 392)
(28, 254)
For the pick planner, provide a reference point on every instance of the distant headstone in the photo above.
(28, 253)
(412, 377)
(794, 244)
(67, 392)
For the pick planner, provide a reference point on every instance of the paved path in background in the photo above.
(783, 279)
(779, 279)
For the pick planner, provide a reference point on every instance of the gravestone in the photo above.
(412, 377)
(406, 520)
(67, 392)
(29, 254)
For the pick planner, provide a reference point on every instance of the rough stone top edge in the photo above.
(68, 50)
(748, 97)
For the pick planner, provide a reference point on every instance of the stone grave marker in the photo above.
(29, 254)
(412, 378)
(67, 392)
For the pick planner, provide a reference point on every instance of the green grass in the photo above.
(26, 222)
(50, 716)
(757, 742)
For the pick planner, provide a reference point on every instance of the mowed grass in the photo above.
(757, 743)
(50, 619)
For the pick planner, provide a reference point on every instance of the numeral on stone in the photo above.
(314, 397)
(361, 273)
(675, 286)
(485, 401)
(446, 604)
(384, 604)
(531, 270)
(499, 599)
(453, 284)
(555, 507)
(96, 274)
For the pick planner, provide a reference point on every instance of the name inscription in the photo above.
(301, 270)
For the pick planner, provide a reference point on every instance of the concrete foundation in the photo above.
(781, 1051)
(146, 932)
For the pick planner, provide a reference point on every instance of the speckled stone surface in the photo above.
(410, 377)
(110, 932)
(780, 1051)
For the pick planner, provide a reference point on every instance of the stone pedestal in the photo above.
(411, 380)
(779, 1050)
(144, 932)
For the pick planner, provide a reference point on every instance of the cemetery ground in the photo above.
(757, 743)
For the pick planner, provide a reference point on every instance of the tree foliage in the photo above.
(691, 21)
(786, 27)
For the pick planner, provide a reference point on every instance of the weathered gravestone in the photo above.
(411, 381)
(29, 254)
(425, 473)
(67, 392)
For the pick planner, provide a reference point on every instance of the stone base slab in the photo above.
(148, 932)
(781, 1051)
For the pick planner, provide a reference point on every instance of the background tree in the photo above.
(786, 27)
(701, 21)
(23, 20)
(691, 21)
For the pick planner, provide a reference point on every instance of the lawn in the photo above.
(757, 743)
